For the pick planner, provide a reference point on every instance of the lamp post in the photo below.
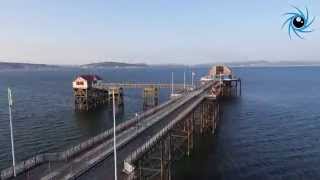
(114, 135)
(171, 83)
(11, 132)
(184, 80)
(192, 79)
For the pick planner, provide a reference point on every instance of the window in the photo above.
(219, 70)
(79, 83)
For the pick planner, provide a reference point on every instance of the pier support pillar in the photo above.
(118, 95)
(89, 98)
(189, 134)
(150, 97)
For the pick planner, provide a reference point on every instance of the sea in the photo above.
(272, 131)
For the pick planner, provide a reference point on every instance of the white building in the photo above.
(85, 81)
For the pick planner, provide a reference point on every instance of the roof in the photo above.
(220, 69)
(90, 77)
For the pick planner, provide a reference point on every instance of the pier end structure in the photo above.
(230, 85)
(90, 92)
(86, 97)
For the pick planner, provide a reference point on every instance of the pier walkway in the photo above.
(143, 85)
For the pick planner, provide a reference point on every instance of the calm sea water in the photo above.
(271, 132)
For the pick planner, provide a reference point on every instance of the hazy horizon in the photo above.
(253, 62)
(153, 32)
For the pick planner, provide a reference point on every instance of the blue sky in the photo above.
(151, 31)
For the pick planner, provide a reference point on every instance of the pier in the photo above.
(91, 92)
(148, 144)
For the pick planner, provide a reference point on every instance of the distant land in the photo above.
(8, 66)
(263, 63)
(111, 64)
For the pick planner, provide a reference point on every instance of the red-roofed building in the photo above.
(85, 81)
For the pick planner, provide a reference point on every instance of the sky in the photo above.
(153, 31)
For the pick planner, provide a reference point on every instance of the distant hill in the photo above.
(168, 65)
(263, 63)
(113, 65)
(24, 66)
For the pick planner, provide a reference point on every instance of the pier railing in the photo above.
(142, 85)
(74, 150)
